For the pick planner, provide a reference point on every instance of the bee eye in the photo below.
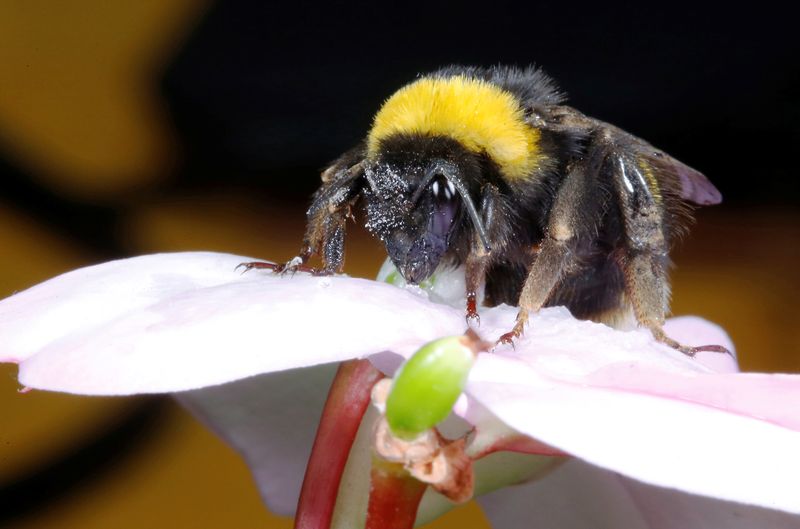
(444, 207)
(442, 189)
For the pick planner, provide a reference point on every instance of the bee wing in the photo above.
(682, 180)
(690, 185)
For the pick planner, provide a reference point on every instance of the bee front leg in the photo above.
(326, 236)
(326, 219)
(480, 255)
(295, 264)
(477, 263)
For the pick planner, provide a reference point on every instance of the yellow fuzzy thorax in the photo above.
(481, 116)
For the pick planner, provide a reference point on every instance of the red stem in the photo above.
(393, 498)
(347, 401)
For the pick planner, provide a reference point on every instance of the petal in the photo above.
(557, 344)
(95, 295)
(573, 496)
(669, 508)
(728, 436)
(580, 496)
(173, 322)
(271, 421)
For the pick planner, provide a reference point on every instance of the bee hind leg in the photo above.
(688, 350)
(644, 265)
(645, 250)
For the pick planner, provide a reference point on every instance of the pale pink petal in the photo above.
(271, 421)
(696, 433)
(176, 322)
(673, 509)
(580, 496)
(573, 496)
(173, 322)
(557, 344)
(95, 295)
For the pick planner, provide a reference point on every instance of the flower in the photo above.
(660, 440)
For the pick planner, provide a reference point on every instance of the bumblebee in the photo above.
(487, 167)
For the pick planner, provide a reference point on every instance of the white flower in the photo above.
(660, 440)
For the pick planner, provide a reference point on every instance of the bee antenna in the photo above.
(453, 175)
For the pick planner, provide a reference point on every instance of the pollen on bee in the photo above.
(561, 231)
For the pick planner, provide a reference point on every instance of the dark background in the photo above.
(167, 125)
(260, 88)
(263, 94)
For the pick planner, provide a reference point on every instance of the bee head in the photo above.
(418, 209)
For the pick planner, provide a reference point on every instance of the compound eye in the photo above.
(444, 207)
(442, 189)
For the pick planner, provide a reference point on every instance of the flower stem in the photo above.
(394, 496)
(347, 401)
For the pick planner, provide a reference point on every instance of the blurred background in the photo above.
(164, 125)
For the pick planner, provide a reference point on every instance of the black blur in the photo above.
(266, 93)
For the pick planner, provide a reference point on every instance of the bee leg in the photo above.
(547, 270)
(330, 208)
(646, 284)
(575, 212)
(477, 263)
(296, 264)
(479, 257)
(661, 336)
(326, 218)
(330, 240)
(324, 236)
(647, 287)
(645, 258)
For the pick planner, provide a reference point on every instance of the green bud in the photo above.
(427, 386)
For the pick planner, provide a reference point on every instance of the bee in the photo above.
(488, 168)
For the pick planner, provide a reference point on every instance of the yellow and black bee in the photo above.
(488, 168)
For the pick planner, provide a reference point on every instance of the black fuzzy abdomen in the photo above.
(592, 292)
(593, 287)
